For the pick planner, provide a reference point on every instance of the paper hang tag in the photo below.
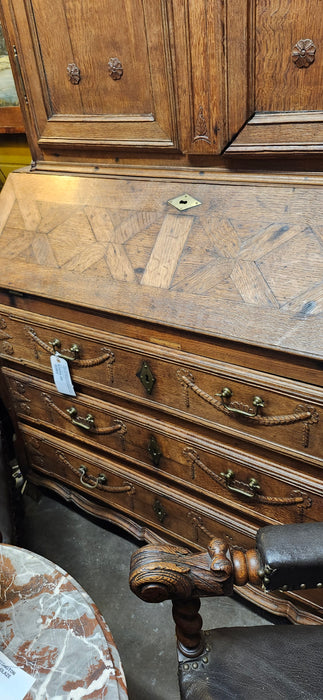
(61, 375)
(14, 682)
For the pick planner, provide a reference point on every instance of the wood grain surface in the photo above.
(246, 264)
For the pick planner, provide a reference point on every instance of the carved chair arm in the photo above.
(161, 572)
(281, 557)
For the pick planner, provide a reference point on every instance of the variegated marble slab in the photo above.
(51, 628)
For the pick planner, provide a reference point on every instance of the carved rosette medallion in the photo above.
(115, 68)
(303, 53)
(73, 73)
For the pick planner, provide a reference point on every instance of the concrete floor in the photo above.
(97, 556)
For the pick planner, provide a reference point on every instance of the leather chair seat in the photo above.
(282, 662)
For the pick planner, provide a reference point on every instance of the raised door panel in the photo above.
(211, 51)
(171, 75)
(286, 95)
(98, 74)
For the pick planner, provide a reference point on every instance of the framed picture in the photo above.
(10, 114)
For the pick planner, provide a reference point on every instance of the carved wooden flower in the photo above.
(303, 53)
(73, 73)
(115, 68)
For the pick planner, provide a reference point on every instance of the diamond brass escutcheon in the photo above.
(159, 510)
(146, 377)
(184, 201)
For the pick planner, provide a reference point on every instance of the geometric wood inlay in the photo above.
(246, 247)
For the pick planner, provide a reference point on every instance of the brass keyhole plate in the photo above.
(146, 377)
(184, 201)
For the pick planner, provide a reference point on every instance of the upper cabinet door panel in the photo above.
(102, 72)
(286, 92)
(289, 55)
(100, 50)
(199, 77)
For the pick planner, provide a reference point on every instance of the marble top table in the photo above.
(51, 628)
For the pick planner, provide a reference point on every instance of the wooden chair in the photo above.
(241, 663)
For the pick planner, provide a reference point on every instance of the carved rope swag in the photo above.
(305, 414)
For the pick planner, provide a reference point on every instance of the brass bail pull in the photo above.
(98, 480)
(74, 350)
(249, 490)
(257, 402)
(87, 423)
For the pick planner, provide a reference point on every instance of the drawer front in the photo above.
(167, 512)
(275, 413)
(227, 475)
(162, 508)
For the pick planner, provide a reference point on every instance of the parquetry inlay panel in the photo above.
(207, 254)
(256, 247)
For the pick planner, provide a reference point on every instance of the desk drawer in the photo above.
(164, 509)
(269, 411)
(251, 484)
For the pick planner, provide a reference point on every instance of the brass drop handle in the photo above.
(86, 423)
(101, 479)
(251, 488)
(257, 402)
(74, 349)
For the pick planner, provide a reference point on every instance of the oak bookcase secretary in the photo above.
(164, 251)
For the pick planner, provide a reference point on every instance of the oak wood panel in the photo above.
(58, 459)
(275, 133)
(285, 97)
(197, 78)
(163, 510)
(137, 110)
(275, 363)
(281, 85)
(50, 241)
(289, 423)
(88, 36)
(202, 103)
(176, 454)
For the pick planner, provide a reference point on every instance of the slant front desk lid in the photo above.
(245, 264)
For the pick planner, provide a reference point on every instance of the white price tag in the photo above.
(61, 374)
(14, 682)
